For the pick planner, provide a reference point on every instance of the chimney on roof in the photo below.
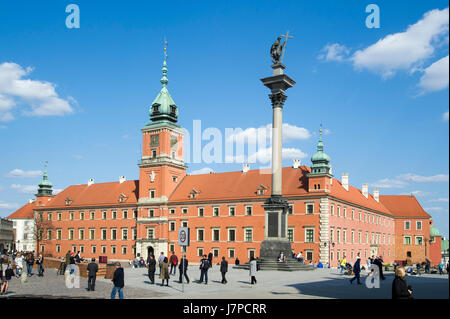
(245, 168)
(90, 181)
(331, 173)
(122, 179)
(345, 181)
(376, 195)
(296, 163)
(365, 190)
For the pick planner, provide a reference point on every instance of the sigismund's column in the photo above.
(276, 206)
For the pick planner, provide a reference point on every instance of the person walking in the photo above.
(30, 263)
(441, 268)
(151, 267)
(160, 261)
(164, 274)
(253, 270)
(236, 261)
(204, 266)
(379, 262)
(356, 270)
(118, 281)
(427, 266)
(7, 274)
(224, 269)
(183, 266)
(418, 269)
(343, 263)
(18, 261)
(92, 269)
(400, 288)
(173, 263)
(210, 258)
(40, 263)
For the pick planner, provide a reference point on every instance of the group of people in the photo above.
(182, 264)
(22, 262)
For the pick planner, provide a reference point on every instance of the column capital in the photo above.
(278, 99)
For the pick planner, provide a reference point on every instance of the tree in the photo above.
(40, 229)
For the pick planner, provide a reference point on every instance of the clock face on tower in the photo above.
(154, 140)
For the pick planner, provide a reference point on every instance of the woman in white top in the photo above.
(18, 261)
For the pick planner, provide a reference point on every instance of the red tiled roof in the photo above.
(237, 185)
(354, 195)
(24, 212)
(97, 194)
(404, 206)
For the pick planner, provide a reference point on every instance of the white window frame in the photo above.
(313, 236)
(407, 222)
(230, 208)
(228, 234)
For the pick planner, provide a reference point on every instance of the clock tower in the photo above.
(162, 165)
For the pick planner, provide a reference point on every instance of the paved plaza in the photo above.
(317, 284)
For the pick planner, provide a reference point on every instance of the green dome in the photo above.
(320, 156)
(163, 107)
(434, 232)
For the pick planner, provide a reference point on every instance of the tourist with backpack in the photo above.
(204, 266)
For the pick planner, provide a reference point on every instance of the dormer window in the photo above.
(261, 189)
(68, 201)
(155, 108)
(193, 193)
(122, 198)
(172, 110)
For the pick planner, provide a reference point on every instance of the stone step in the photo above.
(277, 266)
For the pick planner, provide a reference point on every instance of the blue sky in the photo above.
(78, 97)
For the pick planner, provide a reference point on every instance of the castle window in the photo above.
(419, 240)
(201, 211)
(153, 153)
(216, 211)
(152, 193)
(216, 234)
(172, 211)
(309, 235)
(172, 110)
(309, 209)
(407, 225)
(124, 214)
(248, 235)
(174, 179)
(200, 234)
(232, 234)
(290, 234)
(184, 211)
(104, 214)
(92, 214)
(248, 210)
(151, 213)
(155, 108)
(114, 214)
(171, 226)
(407, 240)
(81, 215)
(418, 225)
(232, 210)
(291, 209)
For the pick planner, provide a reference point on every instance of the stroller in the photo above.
(348, 269)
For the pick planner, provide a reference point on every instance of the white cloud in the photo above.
(78, 156)
(4, 205)
(438, 200)
(57, 190)
(2, 127)
(334, 52)
(405, 50)
(425, 179)
(39, 96)
(264, 155)
(205, 170)
(435, 209)
(435, 77)
(445, 117)
(418, 193)
(254, 135)
(26, 189)
(402, 181)
(389, 183)
(17, 172)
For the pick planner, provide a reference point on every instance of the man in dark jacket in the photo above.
(118, 281)
(204, 266)
(379, 262)
(183, 269)
(210, 258)
(92, 269)
(356, 270)
(173, 261)
(224, 269)
(151, 265)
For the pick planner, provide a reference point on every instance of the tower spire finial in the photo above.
(164, 79)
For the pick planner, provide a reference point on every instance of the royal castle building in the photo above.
(327, 218)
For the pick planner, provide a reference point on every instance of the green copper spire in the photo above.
(45, 186)
(163, 107)
(320, 160)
